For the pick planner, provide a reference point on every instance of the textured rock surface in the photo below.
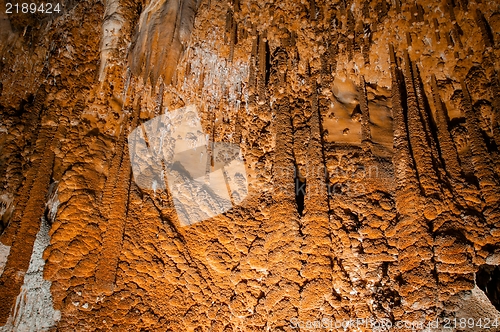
(370, 132)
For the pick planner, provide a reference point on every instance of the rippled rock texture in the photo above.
(369, 131)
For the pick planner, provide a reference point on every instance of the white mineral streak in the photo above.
(4, 253)
(113, 22)
(34, 309)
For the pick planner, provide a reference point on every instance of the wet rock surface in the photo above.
(370, 134)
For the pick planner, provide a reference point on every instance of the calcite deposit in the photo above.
(368, 133)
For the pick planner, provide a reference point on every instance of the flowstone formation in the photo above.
(369, 133)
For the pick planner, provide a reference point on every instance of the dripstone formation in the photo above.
(370, 134)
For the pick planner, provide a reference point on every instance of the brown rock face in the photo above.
(363, 138)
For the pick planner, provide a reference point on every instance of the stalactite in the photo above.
(367, 42)
(446, 145)
(13, 165)
(366, 10)
(232, 40)
(451, 11)
(312, 9)
(480, 156)
(424, 115)
(315, 222)
(9, 234)
(383, 9)
(325, 58)
(284, 219)
(115, 214)
(398, 6)
(413, 13)
(229, 21)
(409, 203)
(456, 37)
(188, 69)
(334, 48)
(201, 83)
(404, 170)
(262, 65)
(159, 25)
(485, 29)
(242, 33)
(238, 127)
(436, 29)
(29, 224)
(325, 64)
(449, 40)
(417, 134)
(351, 32)
(358, 38)
(496, 109)
(159, 100)
(252, 75)
(420, 13)
(417, 13)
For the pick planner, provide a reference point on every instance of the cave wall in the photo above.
(384, 114)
